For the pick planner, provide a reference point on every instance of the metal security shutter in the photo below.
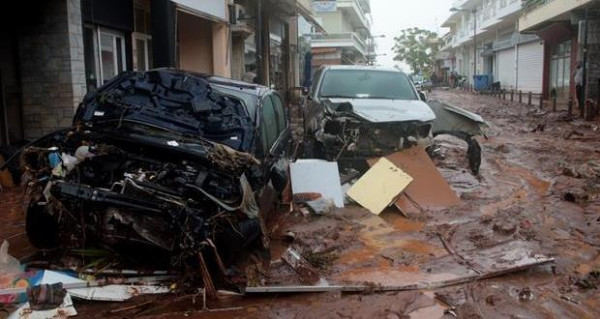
(531, 67)
(506, 68)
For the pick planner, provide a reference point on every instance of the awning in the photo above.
(211, 10)
(324, 50)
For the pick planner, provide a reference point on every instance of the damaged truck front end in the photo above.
(157, 165)
(344, 134)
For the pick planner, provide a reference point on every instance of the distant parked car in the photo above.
(425, 85)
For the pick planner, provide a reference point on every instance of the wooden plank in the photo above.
(492, 262)
(505, 258)
(379, 186)
(429, 190)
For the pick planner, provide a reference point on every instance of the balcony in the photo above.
(530, 5)
(539, 13)
(356, 12)
(339, 40)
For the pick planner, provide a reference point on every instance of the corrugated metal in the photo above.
(531, 67)
(506, 68)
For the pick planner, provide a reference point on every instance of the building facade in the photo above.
(59, 50)
(561, 24)
(269, 40)
(347, 37)
(501, 52)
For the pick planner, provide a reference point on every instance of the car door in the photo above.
(276, 139)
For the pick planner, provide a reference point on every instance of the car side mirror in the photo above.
(422, 96)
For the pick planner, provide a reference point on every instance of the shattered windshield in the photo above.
(366, 84)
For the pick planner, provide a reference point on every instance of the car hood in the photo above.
(385, 110)
(175, 101)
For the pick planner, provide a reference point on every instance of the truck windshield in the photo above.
(366, 84)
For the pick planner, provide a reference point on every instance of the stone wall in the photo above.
(52, 67)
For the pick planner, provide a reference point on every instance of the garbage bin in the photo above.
(481, 82)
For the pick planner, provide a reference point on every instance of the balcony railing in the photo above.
(529, 5)
(358, 10)
(339, 40)
(516, 38)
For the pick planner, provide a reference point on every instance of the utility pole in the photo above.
(474, 44)
(585, 66)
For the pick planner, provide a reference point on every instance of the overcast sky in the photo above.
(391, 16)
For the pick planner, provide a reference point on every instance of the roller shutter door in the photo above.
(506, 68)
(531, 67)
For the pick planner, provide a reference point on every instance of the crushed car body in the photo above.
(158, 164)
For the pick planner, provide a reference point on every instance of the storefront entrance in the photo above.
(560, 70)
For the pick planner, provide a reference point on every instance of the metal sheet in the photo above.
(317, 176)
(116, 292)
(451, 118)
(379, 186)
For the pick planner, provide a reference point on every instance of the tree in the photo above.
(418, 48)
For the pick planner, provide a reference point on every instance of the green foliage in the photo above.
(418, 48)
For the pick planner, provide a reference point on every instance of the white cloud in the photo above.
(392, 16)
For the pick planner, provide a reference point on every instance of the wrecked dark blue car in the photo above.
(161, 163)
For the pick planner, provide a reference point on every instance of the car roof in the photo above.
(362, 67)
(245, 87)
(248, 88)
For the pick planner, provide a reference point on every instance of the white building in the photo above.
(348, 38)
(502, 53)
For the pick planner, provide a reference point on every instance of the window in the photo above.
(141, 37)
(281, 116)
(560, 69)
(269, 124)
(112, 55)
(143, 51)
(366, 84)
(104, 55)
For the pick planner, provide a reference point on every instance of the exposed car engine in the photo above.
(345, 135)
(131, 177)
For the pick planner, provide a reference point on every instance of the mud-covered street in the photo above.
(538, 186)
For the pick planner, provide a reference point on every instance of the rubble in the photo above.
(459, 247)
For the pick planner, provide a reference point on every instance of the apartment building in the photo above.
(561, 24)
(501, 52)
(348, 32)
